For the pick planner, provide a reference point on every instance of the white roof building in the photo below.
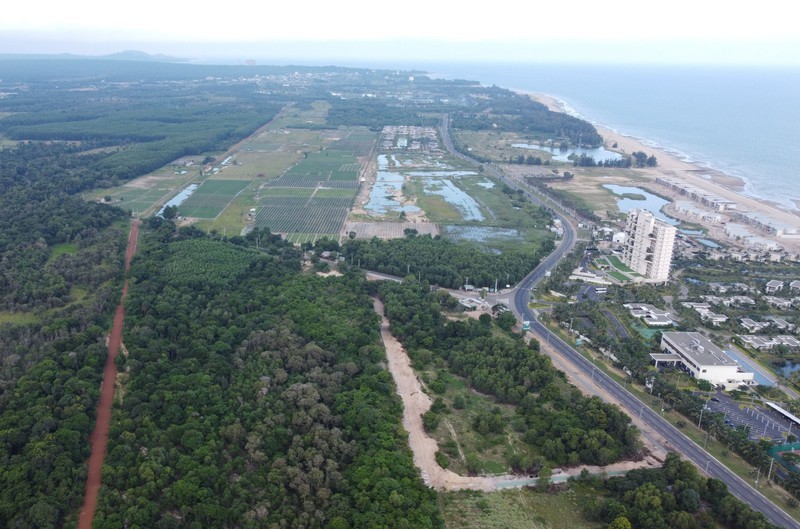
(650, 315)
(702, 359)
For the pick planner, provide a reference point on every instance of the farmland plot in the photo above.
(211, 198)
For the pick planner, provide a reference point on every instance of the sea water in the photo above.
(743, 121)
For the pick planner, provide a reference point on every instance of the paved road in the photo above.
(673, 437)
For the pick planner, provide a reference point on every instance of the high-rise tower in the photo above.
(648, 245)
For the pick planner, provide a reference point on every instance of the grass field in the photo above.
(61, 249)
(515, 509)
(619, 265)
(17, 318)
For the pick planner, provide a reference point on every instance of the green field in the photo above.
(617, 275)
(515, 509)
(17, 318)
(619, 265)
(208, 201)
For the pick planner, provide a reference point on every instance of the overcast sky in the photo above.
(678, 31)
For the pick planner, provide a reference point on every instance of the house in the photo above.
(781, 324)
(794, 285)
(779, 303)
(753, 326)
(705, 312)
(774, 286)
(652, 316)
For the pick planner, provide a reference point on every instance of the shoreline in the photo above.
(671, 165)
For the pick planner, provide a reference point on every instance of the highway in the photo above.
(673, 437)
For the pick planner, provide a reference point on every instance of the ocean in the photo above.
(742, 121)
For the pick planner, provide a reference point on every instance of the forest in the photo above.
(254, 396)
(442, 262)
(563, 425)
(252, 393)
(674, 496)
(508, 111)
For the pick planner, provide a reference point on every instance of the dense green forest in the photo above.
(563, 425)
(442, 262)
(253, 394)
(675, 496)
(254, 397)
(509, 111)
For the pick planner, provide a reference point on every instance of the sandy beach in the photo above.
(714, 182)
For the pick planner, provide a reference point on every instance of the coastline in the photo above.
(673, 167)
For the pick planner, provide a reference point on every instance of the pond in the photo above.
(179, 199)
(708, 243)
(599, 154)
(788, 368)
(382, 196)
(466, 206)
(651, 202)
(480, 233)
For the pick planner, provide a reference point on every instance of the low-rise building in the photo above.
(706, 314)
(773, 286)
(702, 359)
(779, 303)
(650, 315)
(761, 342)
(753, 326)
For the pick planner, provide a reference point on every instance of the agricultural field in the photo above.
(208, 201)
(390, 230)
(299, 180)
(144, 195)
(312, 198)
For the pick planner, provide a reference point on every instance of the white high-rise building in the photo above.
(648, 245)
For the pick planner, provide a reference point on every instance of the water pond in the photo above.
(469, 209)
(651, 202)
(600, 154)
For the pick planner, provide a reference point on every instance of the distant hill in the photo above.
(135, 55)
(128, 55)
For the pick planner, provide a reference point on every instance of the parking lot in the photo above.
(762, 422)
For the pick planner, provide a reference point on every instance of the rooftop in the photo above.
(699, 348)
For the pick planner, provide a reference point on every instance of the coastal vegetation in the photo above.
(254, 393)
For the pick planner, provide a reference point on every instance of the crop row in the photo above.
(288, 219)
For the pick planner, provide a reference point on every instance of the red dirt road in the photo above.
(99, 437)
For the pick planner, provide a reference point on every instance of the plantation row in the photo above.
(287, 219)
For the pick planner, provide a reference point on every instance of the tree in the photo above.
(544, 479)
(506, 320)
(170, 212)
(620, 522)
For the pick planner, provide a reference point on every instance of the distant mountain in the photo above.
(135, 55)
(128, 55)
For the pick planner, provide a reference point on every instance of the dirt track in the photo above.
(99, 437)
(416, 403)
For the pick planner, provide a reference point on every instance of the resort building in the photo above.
(702, 359)
(774, 286)
(652, 316)
(648, 245)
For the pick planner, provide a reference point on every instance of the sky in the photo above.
(625, 31)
